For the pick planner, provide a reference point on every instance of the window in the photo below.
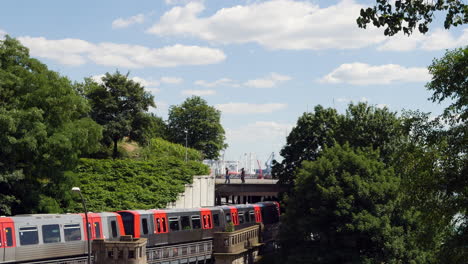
(158, 225)
(144, 224)
(114, 228)
(252, 216)
(97, 229)
(185, 222)
(247, 217)
(241, 218)
(9, 236)
(174, 223)
(196, 222)
(28, 236)
(228, 218)
(50, 234)
(72, 232)
(216, 219)
(163, 223)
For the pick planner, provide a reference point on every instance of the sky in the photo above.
(261, 63)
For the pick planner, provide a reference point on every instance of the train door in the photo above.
(207, 222)
(258, 214)
(234, 215)
(95, 226)
(7, 239)
(160, 220)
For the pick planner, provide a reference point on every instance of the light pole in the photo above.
(88, 231)
(186, 143)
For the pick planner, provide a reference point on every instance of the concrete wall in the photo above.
(198, 194)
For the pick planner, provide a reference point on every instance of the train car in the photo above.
(53, 236)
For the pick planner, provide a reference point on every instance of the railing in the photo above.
(196, 250)
(237, 241)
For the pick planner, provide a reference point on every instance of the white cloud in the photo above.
(198, 92)
(440, 39)
(246, 108)
(263, 138)
(268, 82)
(365, 74)
(162, 109)
(219, 82)
(345, 100)
(171, 80)
(126, 22)
(98, 78)
(145, 82)
(78, 52)
(275, 24)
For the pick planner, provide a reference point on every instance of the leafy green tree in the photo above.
(407, 15)
(118, 104)
(362, 126)
(44, 129)
(450, 82)
(345, 208)
(158, 147)
(147, 126)
(202, 123)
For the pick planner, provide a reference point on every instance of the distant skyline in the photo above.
(262, 63)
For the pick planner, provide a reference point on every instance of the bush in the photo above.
(112, 185)
(159, 147)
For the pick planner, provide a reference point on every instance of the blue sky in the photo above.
(262, 63)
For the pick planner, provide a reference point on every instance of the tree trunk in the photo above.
(116, 152)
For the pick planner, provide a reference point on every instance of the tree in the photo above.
(118, 103)
(345, 209)
(362, 126)
(406, 15)
(44, 129)
(147, 126)
(449, 81)
(200, 123)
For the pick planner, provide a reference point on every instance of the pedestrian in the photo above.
(228, 181)
(243, 175)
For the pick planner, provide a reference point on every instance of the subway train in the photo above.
(54, 238)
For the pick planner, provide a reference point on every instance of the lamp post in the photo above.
(88, 231)
(186, 143)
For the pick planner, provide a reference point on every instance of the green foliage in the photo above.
(146, 127)
(362, 126)
(450, 82)
(202, 123)
(406, 15)
(44, 128)
(345, 208)
(111, 185)
(229, 227)
(159, 147)
(119, 105)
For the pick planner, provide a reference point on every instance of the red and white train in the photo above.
(48, 237)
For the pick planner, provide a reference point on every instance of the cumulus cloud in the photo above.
(365, 74)
(278, 24)
(171, 80)
(198, 92)
(268, 82)
(246, 108)
(440, 39)
(219, 82)
(78, 52)
(126, 22)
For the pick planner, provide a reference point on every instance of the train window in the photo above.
(9, 236)
(185, 222)
(196, 222)
(144, 224)
(247, 217)
(158, 225)
(216, 219)
(50, 233)
(163, 222)
(97, 229)
(114, 228)
(228, 217)
(28, 236)
(252, 216)
(174, 223)
(241, 218)
(72, 232)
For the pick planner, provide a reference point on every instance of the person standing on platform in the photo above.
(228, 181)
(243, 175)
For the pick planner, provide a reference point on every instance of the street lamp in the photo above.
(88, 230)
(186, 143)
